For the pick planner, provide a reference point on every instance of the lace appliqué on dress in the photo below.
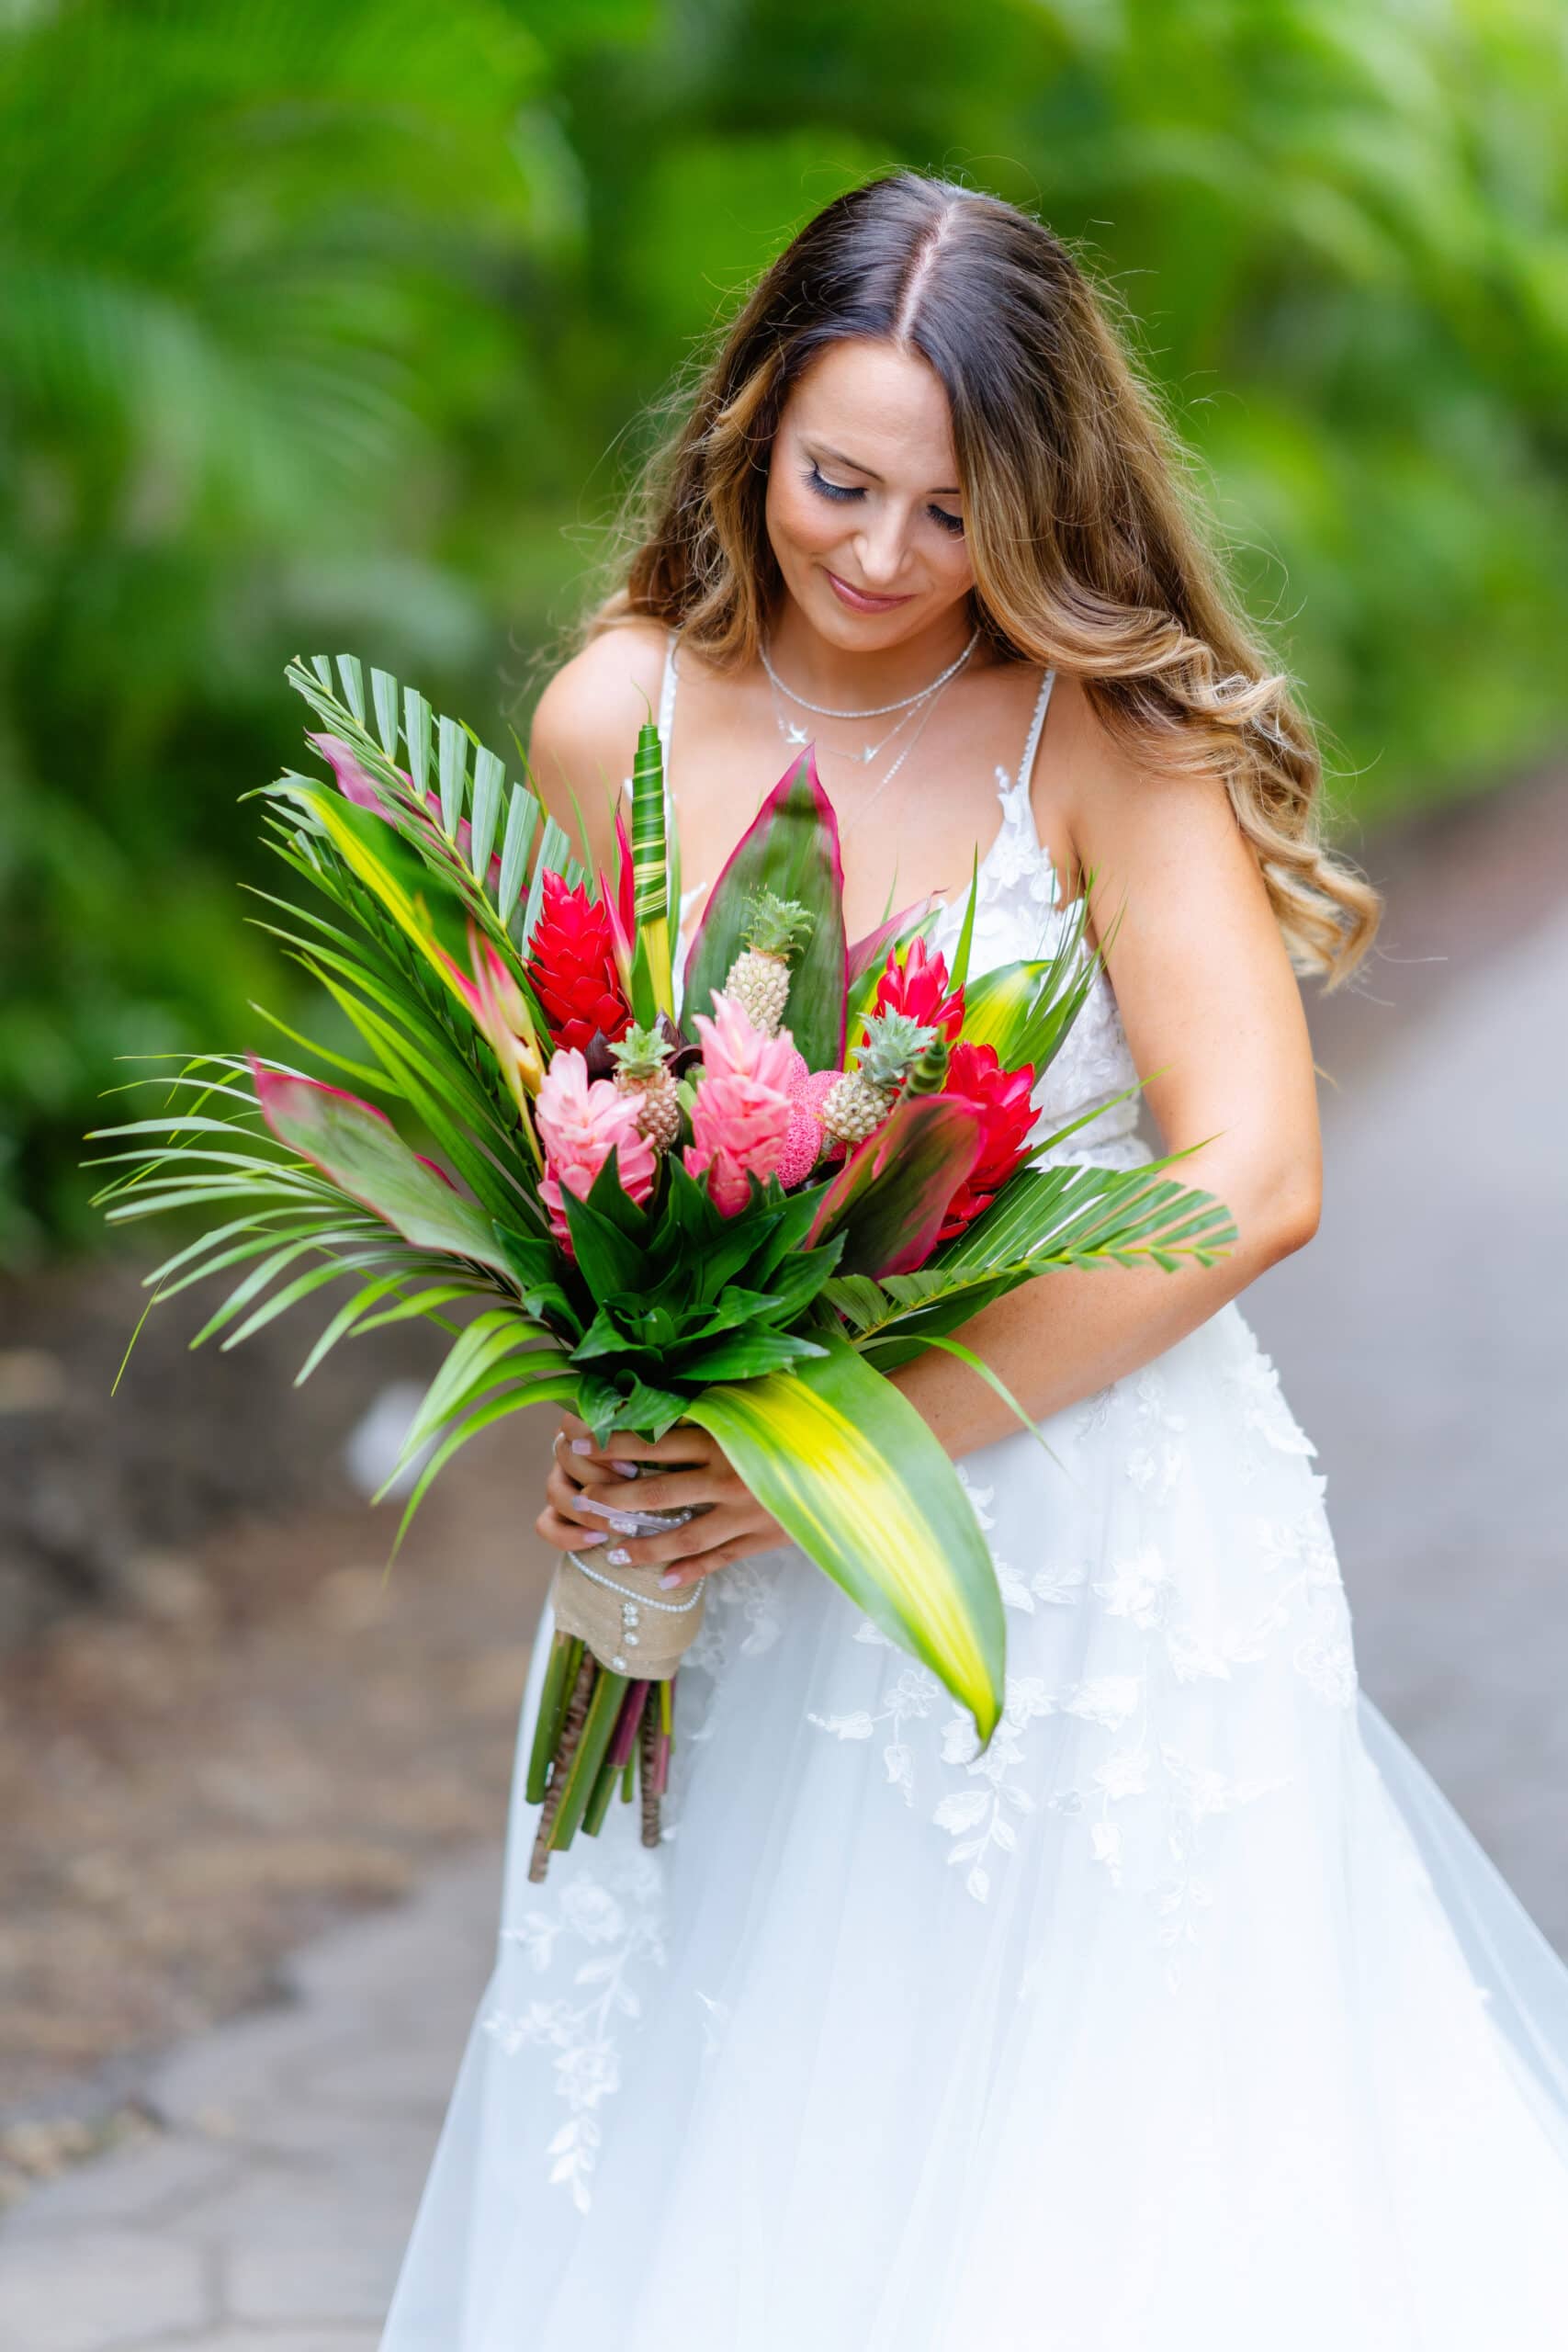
(603, 1931)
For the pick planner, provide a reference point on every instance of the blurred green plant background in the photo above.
(333, 326)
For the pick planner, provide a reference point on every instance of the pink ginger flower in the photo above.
(580, 1122)
(808, 1140)
(742, 1119)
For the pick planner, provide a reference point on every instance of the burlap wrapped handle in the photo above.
(629, 1623)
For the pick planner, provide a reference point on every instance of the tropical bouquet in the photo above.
(739, 1195)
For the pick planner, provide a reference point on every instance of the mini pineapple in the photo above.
(892, 1047)
(759, 978)
(640, 1058)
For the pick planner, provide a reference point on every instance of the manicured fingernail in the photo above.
(624, 1469)
(620, 1558)
(584, 1541)
(582, 1445)
(670, 1576)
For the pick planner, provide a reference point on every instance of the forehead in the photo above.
(886, 408)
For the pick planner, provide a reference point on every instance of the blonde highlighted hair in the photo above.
(1091, 546)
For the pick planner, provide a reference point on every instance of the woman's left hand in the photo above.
(734, 1526)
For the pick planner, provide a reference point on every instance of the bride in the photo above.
(1186, 2017)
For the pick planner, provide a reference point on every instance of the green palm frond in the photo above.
(1046, 1220)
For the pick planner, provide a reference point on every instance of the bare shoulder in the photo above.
(1119, 811)
(584, 728)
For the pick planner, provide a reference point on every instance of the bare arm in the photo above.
(1208, 998)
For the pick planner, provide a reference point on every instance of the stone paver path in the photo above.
(1420, 1344)
(269, 2213)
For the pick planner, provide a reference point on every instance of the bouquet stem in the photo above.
(598, 1722)
(560, 1680)
(650, 1736)
(575, 1716)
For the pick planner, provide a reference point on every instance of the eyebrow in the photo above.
(855, 467)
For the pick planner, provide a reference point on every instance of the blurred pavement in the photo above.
(1420, 1341)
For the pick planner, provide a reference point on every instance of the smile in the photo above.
(857, 599)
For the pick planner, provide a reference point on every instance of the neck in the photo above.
(827, 673)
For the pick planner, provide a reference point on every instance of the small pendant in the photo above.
(795, 735)
(867, 756)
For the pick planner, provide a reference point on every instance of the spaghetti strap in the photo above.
(1041, 702)
(667, 695)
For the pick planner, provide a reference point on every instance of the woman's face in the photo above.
(863, 496)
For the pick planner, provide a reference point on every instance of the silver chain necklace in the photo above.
(795, 735)
(877, 710)
(932, 696)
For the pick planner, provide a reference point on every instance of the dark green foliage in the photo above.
(684, 1298)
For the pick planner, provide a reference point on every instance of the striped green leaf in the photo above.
(850, 1471)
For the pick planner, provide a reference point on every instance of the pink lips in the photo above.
(858, 601)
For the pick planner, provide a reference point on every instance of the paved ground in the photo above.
(1420, 1342)
(267, 2212)
(266, 2209)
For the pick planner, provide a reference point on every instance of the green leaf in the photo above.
(850, 1471)
(958, 971)
(452, 772)
(359, 1149)
(416, 735)
(791, 848)
(522, 815)
(608, 1258)
(489, 778)
(742, 1354)
(384, 700)
(889, 1199)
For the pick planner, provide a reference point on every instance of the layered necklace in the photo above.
(914, 711)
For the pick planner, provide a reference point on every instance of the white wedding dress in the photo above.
(1189, 2017)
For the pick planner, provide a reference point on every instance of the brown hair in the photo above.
(1091, 544)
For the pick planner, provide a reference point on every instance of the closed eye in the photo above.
(839, 492)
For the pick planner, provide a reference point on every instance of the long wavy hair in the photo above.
(1091, 544)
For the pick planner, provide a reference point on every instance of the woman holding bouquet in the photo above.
(1183, 2013)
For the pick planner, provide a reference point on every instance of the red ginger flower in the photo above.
(1001, 1097)
(918, 988)
(572, 965)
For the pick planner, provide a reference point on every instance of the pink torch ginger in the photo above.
(581, 1121)
(742, 1119)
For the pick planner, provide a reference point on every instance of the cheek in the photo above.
(796, 519)
(951, 568)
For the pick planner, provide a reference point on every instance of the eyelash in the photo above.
(952, 524)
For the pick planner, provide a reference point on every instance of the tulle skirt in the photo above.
(1188, 2018)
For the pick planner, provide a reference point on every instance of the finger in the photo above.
(675, 1491)
(736, 1547)
(587, 1460)
(570, 1501)
(563, 1534)
(593, 1471)
(674, 1543)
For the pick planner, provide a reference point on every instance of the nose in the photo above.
(879, 550)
